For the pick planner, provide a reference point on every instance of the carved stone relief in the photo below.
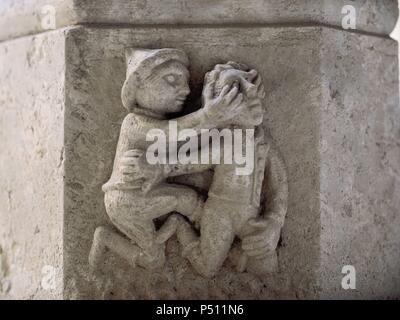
(233, 216)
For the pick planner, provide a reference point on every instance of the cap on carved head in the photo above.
(140, 64)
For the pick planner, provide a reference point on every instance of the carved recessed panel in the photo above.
(212, 179)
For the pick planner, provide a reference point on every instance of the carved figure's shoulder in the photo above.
(130, 122)
(131, 118)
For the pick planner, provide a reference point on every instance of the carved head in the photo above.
(156, 80)
(233, 72)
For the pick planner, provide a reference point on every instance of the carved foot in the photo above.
(169, 228)
(260, 266)
(106, 239)
(99, 247)
(264, 266)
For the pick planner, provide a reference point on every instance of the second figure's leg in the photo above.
(208, 253)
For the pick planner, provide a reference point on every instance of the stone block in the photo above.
(332, 100)
(22, 17)
(32, 166)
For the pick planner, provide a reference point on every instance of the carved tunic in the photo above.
(245, 190)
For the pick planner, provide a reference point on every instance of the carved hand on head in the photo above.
(237, 81)
(257, 81)
(223, 106)
(135, 168)
(255, 93)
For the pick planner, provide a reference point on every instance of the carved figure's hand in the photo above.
(257, 81)
(135, 168)
(253, 116)
(258, 91)
(264, 240)
(226, 105)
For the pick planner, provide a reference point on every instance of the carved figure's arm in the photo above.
(196, 120)
(275, 188)
(215, 113)
(275, 206)
(173, 170)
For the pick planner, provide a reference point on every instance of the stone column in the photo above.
(332, 110)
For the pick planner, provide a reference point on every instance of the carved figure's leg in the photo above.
(208, 253)
(132, 212)
(106, 239)
(167, 197)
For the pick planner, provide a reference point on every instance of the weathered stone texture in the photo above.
(23, 17)
(31, 164)
(332, 110)
(295, 67)
(359, 165)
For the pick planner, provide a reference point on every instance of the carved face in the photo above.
(228, 74)
(166, 89)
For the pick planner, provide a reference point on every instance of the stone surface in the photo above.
(23, 17)
(96, 58)
(296, 74)
(359, 168)
(332, 111)
(31, 165)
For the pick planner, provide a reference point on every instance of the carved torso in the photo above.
(243, 190)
